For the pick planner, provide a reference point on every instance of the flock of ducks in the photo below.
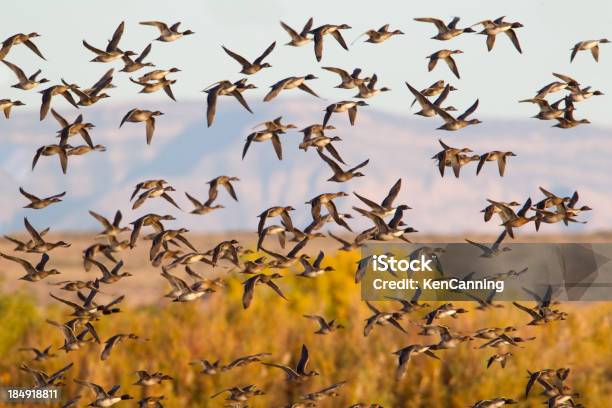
(170, 249)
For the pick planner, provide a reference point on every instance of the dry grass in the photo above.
(218, 328)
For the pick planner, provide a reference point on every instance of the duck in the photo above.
(93, 95)
(150, 87)
(33, 273)
(409, 306)
(49, 93)
(445, 55)
(263, 136)
(492, 28)
(567, 121)
(151, 219)
(113, 341)
(277, 230)
(547, 111)
(240, 394)
(102, 83)
(344, 106)
(495, 155)
(300, 373)
(322, 31)
(112, 51)
(40, 203)
(42, 379)
(148, 184)
(110, 276)
(503, 209)
(25, 83)
(486, 303)
(450, 155)
(110, 229)
(493, 250)
(570, 207)
(221, 88)
(250, 68)
(544, 375)
(158, 74)
(578, 94)
(290, 83)
(226, 182)
(326, 200)
(140, 115)
(181, 291)
(161, 240)
(75, 285)
(326, 392)
(6, 105)
(315, 130)
(379, 36)
(130, 65)
(519, 219)
(453, 124)
(386, 231)
(167, 34)
(552, 199)
(460, 160)
(321, 143)
(434, 90)
(426, 106)
(201, 208)
(22, 246)
(592, 45)
(276, 211)
(151, 400)
(315, 269)
(369, 90)
(380, 318)
(349, 81)
(21, 38)
(77, 127)
(103, 398)
(445, 32)
(189, 259)
(275, 125)
(89, 310)
(285, 261)
(301, 38)
(72, 341)
(385, 208)
(40, 246)
(208, 367)
(260, 279)
(404, 354)
(446, 310)
(494, 403)
(244, 361)
(490, 333)
(39, 355)
(154, 192)
(325, 326)
(340, 175)
(448, 340)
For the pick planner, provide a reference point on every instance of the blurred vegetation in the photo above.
(218, 328)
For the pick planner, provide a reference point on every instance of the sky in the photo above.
(499, 79)
(248, 27)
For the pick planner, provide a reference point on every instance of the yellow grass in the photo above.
(218, 328)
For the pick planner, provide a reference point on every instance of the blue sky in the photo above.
(499, 78)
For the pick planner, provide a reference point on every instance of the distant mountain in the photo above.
(188, 154)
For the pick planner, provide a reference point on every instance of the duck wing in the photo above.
(267, 52)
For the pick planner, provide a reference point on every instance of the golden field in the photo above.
(218, 328)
